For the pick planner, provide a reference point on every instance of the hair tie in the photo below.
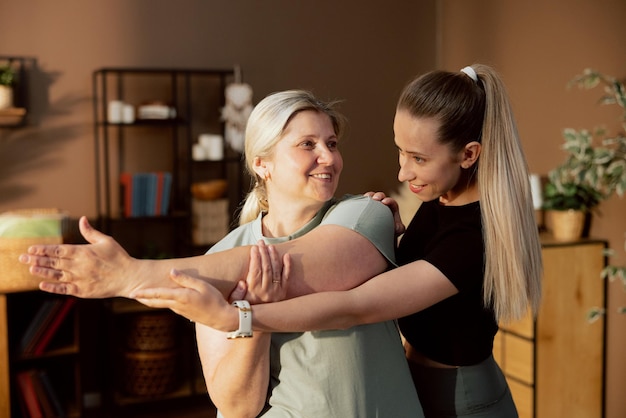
(469, 71)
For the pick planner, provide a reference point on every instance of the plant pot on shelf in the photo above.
(567, 225)
(6, 97)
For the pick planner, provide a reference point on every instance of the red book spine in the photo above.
(127, 193)
(54, 326)
(29, 395)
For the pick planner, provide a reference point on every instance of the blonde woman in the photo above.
(470, 257)
(291, 150)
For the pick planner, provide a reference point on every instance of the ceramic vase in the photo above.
(567, 225)
(6, 97)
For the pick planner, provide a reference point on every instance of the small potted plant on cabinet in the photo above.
(7, 80)
(591, 173)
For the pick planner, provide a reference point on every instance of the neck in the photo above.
(454, 198)
(283, 220)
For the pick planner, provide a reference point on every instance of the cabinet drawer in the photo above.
(518, 358)
(523, 327)
(523, 397)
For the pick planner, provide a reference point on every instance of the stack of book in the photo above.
(38, 397)
(145, 194)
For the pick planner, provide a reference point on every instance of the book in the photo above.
(45, 403)
(127, 194)
(36, 324)
(29, 396)
(159, 194)
(42, 325)
(151, 194)
(167, 189)
(57, 320)
(137, 198)
(52, 393)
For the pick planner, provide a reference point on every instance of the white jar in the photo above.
(214, 146)
(115, 111)
(128, 113)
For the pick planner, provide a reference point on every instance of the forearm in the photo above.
(393, 294)
(236, 371)
(222, 270)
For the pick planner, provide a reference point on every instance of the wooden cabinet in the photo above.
(555, 365)
(40, 355)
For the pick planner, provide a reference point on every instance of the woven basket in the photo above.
(151, 331)
(150, 373)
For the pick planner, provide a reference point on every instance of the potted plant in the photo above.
(7, 80)
(595, 167)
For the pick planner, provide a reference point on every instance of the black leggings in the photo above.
(478, 391)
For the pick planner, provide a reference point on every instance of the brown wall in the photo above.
(538, 46)
(360, 51)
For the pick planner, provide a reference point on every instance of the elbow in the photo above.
(241, 408)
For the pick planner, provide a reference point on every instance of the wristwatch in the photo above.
(245, 320)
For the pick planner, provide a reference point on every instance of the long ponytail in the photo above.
(472, 105)
(513, 265)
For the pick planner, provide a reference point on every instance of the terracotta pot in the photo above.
(567, 225)
(6, 97)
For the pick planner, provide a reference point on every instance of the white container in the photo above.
(198, 152)
(128, 113)
(214, 146)
(115, 111)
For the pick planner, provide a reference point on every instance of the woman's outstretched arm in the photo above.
(102, 268)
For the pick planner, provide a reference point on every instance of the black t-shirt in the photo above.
(459, 330)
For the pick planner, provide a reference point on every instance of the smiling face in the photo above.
(305, 164)
(432, 169)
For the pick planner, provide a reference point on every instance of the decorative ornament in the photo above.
(236, 112)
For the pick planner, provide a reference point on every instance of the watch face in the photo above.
(237, 334)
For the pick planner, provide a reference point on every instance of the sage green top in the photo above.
(358, 372)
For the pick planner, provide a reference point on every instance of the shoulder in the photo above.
(366, 216)
(352, 208)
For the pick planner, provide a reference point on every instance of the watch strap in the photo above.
(245, 320)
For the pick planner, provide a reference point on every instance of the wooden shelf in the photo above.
(197, 96)
(12, 117)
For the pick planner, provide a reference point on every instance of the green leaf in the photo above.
(594, 314)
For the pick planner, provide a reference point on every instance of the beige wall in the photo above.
(359, 51)
(538, 46)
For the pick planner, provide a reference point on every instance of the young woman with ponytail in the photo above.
(469, 259)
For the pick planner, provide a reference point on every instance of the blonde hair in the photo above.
(264, 130)
(470, 110)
